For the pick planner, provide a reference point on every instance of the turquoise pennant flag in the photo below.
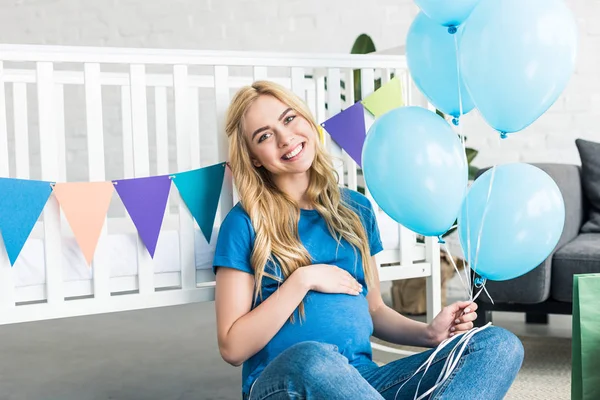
(21, 203)
(200, 189)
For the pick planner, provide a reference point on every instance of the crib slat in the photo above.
(193, 109)
(334, 103)
(298, 82)
(433, 285)
(21, 130)
(385, 75)
(162, 139)
(367, 86)
(95, 137)
(222, 103)
(321, 111)
(4, 170)
(7, 294)
(141, 163)
(7, 281)
(59, 105)
(184, 163)
(95, 142)
(260, 73)
(127, 133)
(50, 172)
(352, 166)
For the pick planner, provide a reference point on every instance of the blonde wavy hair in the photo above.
(273, 214)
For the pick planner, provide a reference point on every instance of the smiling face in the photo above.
(279, 139)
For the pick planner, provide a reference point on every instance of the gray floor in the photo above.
(166, 353)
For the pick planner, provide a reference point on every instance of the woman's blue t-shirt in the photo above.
(339, 319)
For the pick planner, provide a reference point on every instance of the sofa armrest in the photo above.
(534, 287)
(568, 179)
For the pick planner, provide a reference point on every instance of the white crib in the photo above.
(143, 112)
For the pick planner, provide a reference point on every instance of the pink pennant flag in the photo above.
(85, 205)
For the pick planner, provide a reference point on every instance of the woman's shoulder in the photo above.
(355, 198)
(237, 218)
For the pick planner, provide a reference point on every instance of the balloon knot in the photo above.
(479, 281)
(452, 30)
(455, 121)
(503, 135)
(441, 241)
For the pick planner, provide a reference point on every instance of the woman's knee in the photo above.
(502, 342)
(313, 357)
(306, 364)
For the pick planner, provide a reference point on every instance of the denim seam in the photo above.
(279, 391)
(407, 376)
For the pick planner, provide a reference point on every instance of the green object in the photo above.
(362, 45)
(585, 373)
(388, 97)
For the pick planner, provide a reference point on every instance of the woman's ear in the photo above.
(256, 163)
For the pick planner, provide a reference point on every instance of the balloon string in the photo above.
(449, 365)
(466, 269)
(485, 211)
(466, 286)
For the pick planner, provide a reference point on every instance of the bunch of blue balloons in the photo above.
(510, 60)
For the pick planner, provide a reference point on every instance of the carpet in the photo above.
(545, 374)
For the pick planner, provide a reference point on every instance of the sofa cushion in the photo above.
(581, 256)
(531, 288)
(589, 153)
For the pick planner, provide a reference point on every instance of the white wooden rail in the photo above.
(170, 99)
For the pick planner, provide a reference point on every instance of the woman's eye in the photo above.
(289, 119)
(264, 137)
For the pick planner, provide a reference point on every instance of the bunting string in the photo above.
(85, 204)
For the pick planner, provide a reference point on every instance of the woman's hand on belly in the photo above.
(327, 278)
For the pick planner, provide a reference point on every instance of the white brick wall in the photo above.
(304, 26)
(575, 114)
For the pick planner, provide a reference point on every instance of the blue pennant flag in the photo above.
(21, 203)
(200, 189)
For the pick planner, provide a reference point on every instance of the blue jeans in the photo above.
(313, 370)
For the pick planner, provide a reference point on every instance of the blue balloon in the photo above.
(415, 168)
(432, 61)
(447, 12)
(516, 59)
(524, 220)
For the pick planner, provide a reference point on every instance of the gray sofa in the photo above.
(548, 289)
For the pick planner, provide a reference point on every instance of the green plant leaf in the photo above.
(473, 172)
(471, 154)
(363, 45)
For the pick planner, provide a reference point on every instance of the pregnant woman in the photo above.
(297, 291)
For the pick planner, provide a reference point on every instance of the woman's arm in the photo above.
(241, 332)
(393, 327)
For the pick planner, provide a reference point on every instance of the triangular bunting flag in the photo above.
(21, 203)
(145, 200)
(384, 99)
(347, 128)
(200, 189)
(85, 205)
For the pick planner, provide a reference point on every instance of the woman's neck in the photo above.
(295, 186)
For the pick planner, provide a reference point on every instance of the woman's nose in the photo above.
(286, 138)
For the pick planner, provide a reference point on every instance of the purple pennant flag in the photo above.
(145, 200)
(347, 129)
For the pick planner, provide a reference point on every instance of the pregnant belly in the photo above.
(341, 320)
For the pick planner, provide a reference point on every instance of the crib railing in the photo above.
(98, 114)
